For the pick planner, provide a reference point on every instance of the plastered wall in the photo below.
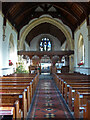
(34, 44)
(83, 30)
(4, 48)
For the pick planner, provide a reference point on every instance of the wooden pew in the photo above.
(24, 80)
(76, 83)
(62, 84)
(21, 75)
(31, 87)
(72, 91)
(66, 87)
(86, 111)
(21, 84)
(16, 78)
(11, 109)
(18, 90)
(9, 94)
(17, 84)
(69, 77)
(12, 97)
(71, 86)
(80, 101)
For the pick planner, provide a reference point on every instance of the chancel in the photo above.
(44, 60)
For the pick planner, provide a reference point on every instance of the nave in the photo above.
(55, 96)
(48, 102)
(40, 37)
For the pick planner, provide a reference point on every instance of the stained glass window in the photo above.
(45, 44)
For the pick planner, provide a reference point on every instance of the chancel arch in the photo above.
(47, 20)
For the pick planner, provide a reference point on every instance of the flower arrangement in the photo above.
(21, 69)
(10, 63)
(81, 63)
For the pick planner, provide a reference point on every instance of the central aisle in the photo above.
(47, 102)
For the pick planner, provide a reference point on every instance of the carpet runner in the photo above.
(47, 103)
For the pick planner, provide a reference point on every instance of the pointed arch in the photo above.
(48, 20)
(11, 47)
(80, 49)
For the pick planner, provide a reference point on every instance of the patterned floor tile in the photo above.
(48, 103)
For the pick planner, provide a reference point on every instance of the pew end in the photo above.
(11, 109)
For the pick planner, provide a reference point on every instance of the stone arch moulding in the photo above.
(48, 20)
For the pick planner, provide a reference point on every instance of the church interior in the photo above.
(44, 60)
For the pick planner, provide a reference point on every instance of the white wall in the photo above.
(6, 69)
(63, 46)
(1, 34)
(84, 31)
(89, 46)
(34, 44)
(27, 47)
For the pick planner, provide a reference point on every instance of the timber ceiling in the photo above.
(71, 13)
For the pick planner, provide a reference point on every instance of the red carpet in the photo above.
(48, 103)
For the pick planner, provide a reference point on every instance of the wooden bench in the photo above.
(61, 83)
(10, 90)
(30, 84)
(11, 109)
(72, 76)
(66, 87)
(25, 82)
(69, 86)
(80, 102)
(21, 75)
(86, 111)
(12, 97)
(73, 83)
(8, 86)
(72, 91)
(17, 90)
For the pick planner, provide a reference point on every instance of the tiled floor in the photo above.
(48, 103)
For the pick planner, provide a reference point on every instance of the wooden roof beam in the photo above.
(62, 8)
(54, 14)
